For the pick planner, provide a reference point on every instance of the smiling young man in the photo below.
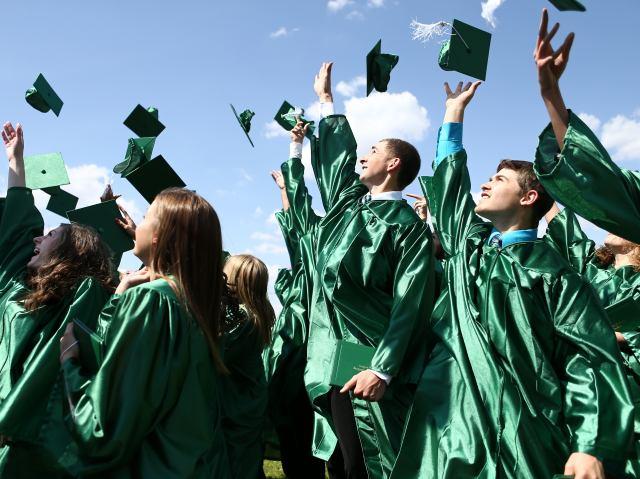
(373, 286)
(525, 380)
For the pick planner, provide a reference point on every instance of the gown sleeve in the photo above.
(584, 178)
(112, 412)
(412, 298)
(335, 159)
(303, 218)
(598, 409)
(451, 204)
(21, 222)
(566, 236)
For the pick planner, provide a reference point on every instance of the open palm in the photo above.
(13, 140)
(462, 95)
(551, 63)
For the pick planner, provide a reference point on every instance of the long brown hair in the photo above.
(249, 280)
(78, 254)
(189, 248)
(605, 257)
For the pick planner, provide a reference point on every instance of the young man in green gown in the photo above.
(525, 380)
(373, 286)
(571, 162)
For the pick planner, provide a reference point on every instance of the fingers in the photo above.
(349, 385)
(467, 86)
(415, 197)
(124, 212)
(544, 23)
(68, 329)
(551, 34)
(475, 86)
(447, 89)
(565, 49)
(9, 128)
(459, 88)
(4, 137)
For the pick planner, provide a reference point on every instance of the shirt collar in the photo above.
(387, 195)
(518, 236)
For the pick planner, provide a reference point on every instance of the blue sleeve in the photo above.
(449, 141)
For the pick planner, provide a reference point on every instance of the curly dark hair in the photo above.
(80, 253)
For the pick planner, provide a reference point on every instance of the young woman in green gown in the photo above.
(247, 331)
(45, 282)
(153, 408)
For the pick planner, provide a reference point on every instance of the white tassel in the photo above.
(424, 32)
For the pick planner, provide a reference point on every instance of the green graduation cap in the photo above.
(568, 5)
(153, 177)
(287, 118)
(42, 97)
(244, 119)
(467, 51)
(379, 66)
(60, 201)
(45, 171)
(144, 122)
(139, 151)
(102, 217)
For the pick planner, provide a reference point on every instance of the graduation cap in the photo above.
(144, 122)
(153, 177)
(102, 217)
(42, 97)
(466, 51)
(288, 116)
(379, 66)
(566, 5)
(139, 151)
(45, 171)
(244, 119)
(60, 201)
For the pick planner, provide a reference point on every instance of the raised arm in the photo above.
(565, 234)
(279, 180)
(21, 221)
(452, 206)
(333, 154)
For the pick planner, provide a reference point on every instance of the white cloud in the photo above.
(591, 121)
(273, 130)
(262, 236)
(258, 212)
(386, 115)
(489, 8)
(352, 87)
(283, 32)
(245, 177)
(270, 248)
(354, 15)
(375, 3)
(621, 136)
(337, 5)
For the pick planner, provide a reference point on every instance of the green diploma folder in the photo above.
(625, 314)
(348, 360)
(90, 344)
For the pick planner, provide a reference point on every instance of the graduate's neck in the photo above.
(504, 225)
(389, 184)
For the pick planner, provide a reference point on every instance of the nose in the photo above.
(37, 239)
(485, 186)
(362, 160)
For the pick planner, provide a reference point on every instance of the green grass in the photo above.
(273, 470)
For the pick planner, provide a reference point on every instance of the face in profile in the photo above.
(146, 235)
(501, 195)
(44, 246)
(374, 164)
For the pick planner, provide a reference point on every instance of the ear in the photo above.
(529, 198)
(393, 165)
(154, 240)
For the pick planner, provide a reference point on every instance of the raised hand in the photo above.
(127, 224)
(299, 131)
(551, 63)
(13, 141)
(278, 178)
(461, 96)
(322, 83)
(108, 195)
(132, 279)
(421, 206)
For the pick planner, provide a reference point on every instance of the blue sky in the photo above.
(191, 59)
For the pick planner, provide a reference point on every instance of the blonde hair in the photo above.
(605, 257)
(249, 279)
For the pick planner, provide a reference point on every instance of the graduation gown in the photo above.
(611, 285)
(525, 370)
(373, 285)
(244, 394)
(152, 410)
(31, 398)
(583, 177)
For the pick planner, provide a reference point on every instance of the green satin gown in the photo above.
(373, 285)
(611, 285)
(525, 370)
(153, 408)
(30, 396)
(583, 177)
